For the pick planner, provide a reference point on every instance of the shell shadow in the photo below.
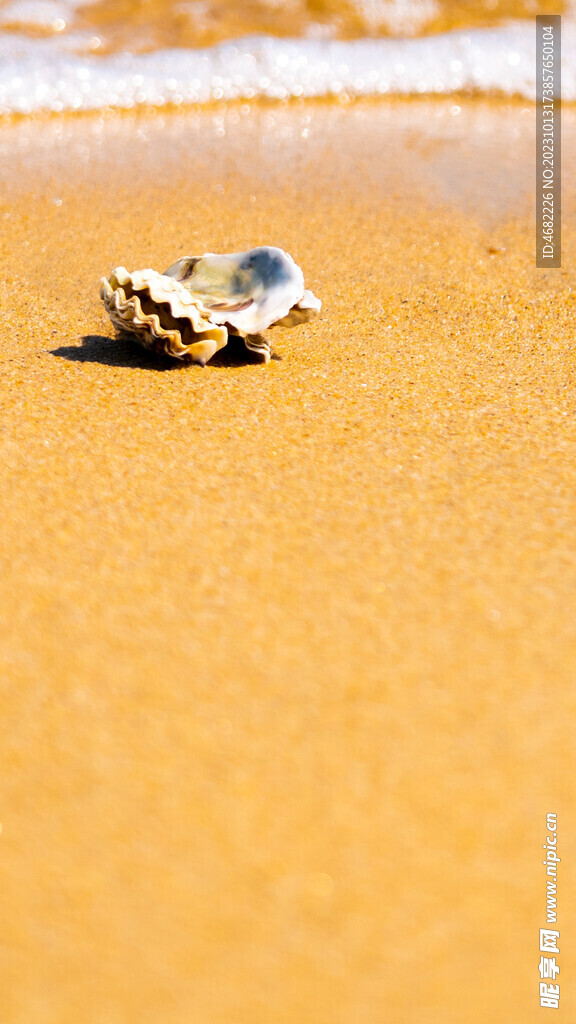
(122, 351)
(98, 348)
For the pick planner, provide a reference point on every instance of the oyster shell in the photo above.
(161, 314)
(188, 311)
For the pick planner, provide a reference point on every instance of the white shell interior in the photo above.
(250, 290)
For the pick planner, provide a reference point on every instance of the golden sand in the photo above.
(289, 652)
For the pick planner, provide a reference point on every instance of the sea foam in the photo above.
(38, 75)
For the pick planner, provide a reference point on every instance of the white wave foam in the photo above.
(47, 15)
(35, 77)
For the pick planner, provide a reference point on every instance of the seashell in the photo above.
(188, 311)
(161, 315)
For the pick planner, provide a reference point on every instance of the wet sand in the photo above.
(289, 650)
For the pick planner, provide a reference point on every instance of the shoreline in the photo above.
(447, 152)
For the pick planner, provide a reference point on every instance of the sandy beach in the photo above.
(289, 651)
